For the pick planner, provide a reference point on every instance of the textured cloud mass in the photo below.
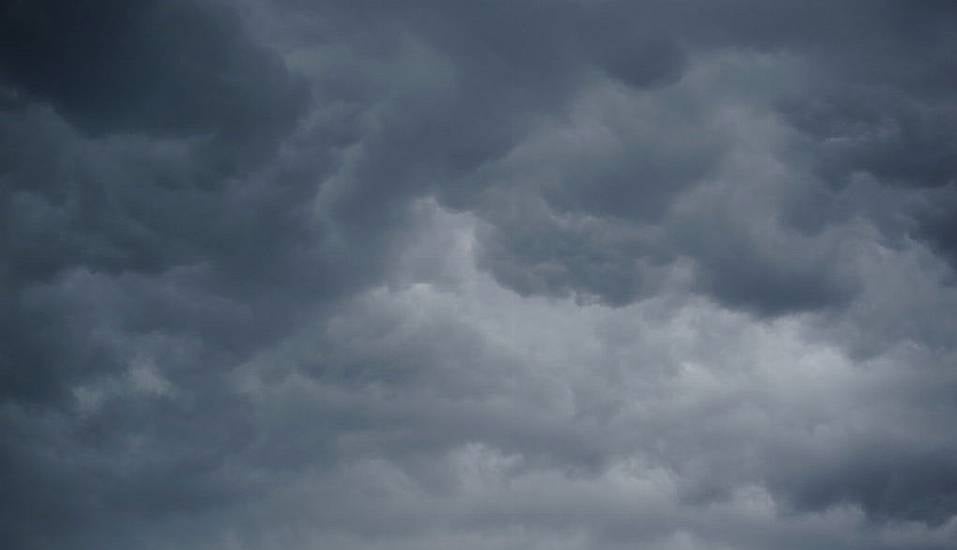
(566, 275)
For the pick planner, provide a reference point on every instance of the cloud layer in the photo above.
(482, 275)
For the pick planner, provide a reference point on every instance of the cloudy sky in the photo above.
(478, 275)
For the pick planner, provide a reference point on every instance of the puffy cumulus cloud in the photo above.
(365, 275)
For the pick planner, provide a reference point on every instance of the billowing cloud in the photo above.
(574, 275)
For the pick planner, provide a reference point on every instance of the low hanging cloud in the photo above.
(574, 275)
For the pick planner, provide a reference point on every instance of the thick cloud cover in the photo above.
(480, 275)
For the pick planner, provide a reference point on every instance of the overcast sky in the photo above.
(478, 275)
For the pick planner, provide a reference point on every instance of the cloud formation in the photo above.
(574, 275)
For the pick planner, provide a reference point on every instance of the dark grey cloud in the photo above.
(181, 68)
(477, 274)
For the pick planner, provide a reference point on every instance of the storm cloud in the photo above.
(483, 275)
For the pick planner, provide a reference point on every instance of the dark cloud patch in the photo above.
(644, 62)
(888, 484)
(136, 207)
(168, 67)
(148, 235)
(936, 222)
(567, 258)
(760, 265)
(876, 104)
(636, 171)
(746, 279)
(885, 137)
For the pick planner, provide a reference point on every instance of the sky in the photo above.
(478, 275)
